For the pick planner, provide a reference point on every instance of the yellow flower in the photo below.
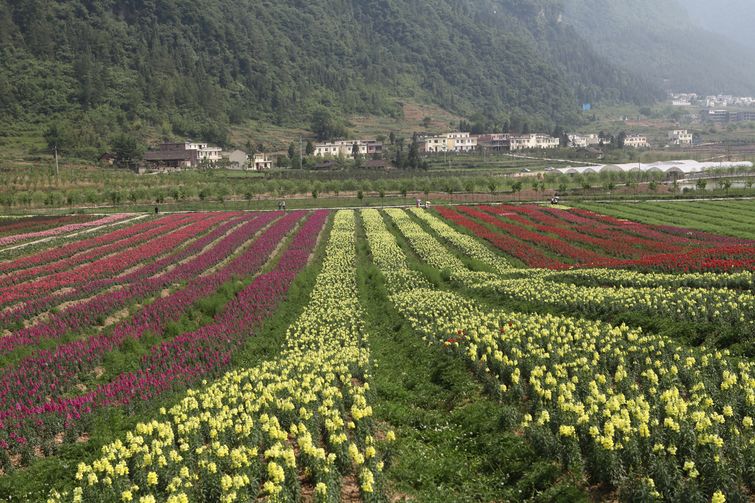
(321, 489)
(718, 497)
(126, 496)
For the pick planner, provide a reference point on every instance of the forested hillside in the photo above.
(657, 40)
(193, 67)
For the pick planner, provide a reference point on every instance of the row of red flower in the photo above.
(40, 222)
(145, 231)
(73, 247)
(611, 240)
(108, 266)
(513, 247)
(56, 231)
(525, 239)
(85, 314)
(25, 311)
(555, 245)
(52, 372)
(185, 359)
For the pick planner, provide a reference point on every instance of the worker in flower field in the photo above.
(283, 205)
(427, 205)
(157, 210)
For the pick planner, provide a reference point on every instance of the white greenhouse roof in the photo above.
(685, 167)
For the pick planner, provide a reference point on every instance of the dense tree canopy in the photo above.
(196, 68)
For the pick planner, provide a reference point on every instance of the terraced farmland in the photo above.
(489, 353)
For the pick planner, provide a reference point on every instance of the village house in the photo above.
(262, 162)
(345, 148)
(183, 155)
(636, 141)
(680, 137)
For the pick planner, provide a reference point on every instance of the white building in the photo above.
(262, 162)
(449, 142)
(345, 148)
(533, 141)
(680, 137)
(205, 152)
(636, 141)
(462, 142)
(583, 141)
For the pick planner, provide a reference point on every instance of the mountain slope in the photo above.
(657, 40)
(193, 67)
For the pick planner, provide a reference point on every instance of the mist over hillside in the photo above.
(660, 41)
(735, 19)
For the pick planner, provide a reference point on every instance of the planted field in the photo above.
(488, 353)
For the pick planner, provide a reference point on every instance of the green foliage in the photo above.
(193, 68)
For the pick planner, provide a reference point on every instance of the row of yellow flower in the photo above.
(471, 246)
(292, 425)
(635, 410)
(681, 303)
(743, 280)
(684, 304)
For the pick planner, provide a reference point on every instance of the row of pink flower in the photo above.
(25, 311)
(49, 373)
(188, 357)
(63, 229)
(147, 231)
(108, 266)
(82, 315)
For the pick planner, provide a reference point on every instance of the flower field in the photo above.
(230, 356)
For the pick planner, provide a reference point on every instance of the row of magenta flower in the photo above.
(39, 393)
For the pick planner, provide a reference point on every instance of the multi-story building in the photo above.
(346, 148)
(716, 116)
(583, 140)
(680, 137)
(495, 141)
(183, 155)
(532, 141)
(449, 142)
(636, 141)
(745, 116)
(461, 142)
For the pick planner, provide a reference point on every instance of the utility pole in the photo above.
(301, 161)
(57, 168)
